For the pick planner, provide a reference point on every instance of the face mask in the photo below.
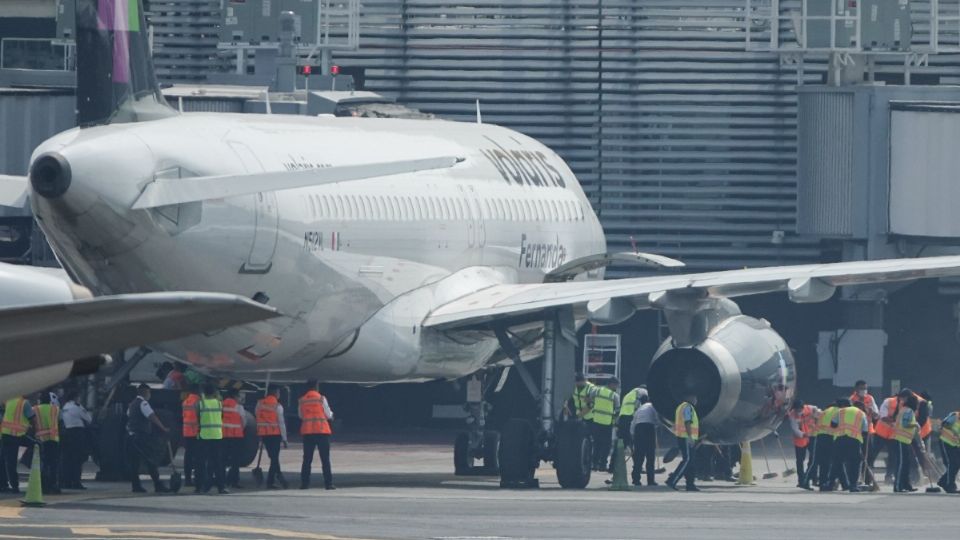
(862, 393)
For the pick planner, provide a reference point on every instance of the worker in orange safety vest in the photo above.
(191, 428)
(272, 430)
(803, 424)
(315, 418)
(234, 423)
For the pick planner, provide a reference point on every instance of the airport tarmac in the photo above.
(391, 490)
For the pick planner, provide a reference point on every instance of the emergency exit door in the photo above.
(266, 218)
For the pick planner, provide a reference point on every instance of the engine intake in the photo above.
(743, 375)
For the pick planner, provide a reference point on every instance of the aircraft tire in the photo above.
(461, 454)
(518, 458)
(491, 453)
(574, 455)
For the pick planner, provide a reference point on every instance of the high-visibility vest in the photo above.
(14, 419)
(927, 426)
(901, 433)
(268, 422)
(232, 419)
(191, 424)
(313, 418)
(680, 426)
(48, 420)
(807, 423)
(630, 402)
(851, 422)
(867, 400)
(582, 398)
(824, 426)
(885, 429)
(603, 406)
(211, 419)
(950, 433)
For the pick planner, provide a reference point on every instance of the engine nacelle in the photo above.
(743, 375)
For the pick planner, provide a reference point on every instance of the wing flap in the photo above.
(44, 335)
(509, 300)
(168, 191)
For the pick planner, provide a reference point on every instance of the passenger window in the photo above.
(556, 212)
(446, 209)
(396, 208)
(313, 206)
(354, 211)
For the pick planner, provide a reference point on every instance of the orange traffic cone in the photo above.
(34, 487)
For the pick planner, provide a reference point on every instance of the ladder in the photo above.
(601, 357)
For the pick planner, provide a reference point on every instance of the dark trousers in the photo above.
(601, 444)
(190, 461)
(801, 453)
(644, 451)
(11, 450)
(687, 469)
(74, 449)
(623, 431)
(951, 458)
(50, 466)
(210, 470)
(271, 443)
(231, 459)
(322, 445)
(904, 457)
(820, 466)
(848, 458)
(137, 453)
(875, 445)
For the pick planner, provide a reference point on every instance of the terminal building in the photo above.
(724, 133)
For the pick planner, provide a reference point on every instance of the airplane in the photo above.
(52, 328)
(397, 250)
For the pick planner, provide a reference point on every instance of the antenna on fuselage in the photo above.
(479, 118)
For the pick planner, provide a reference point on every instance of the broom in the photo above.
(769, 474)
(787, 471)
(176, 481)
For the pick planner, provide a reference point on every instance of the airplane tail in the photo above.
(115, 79)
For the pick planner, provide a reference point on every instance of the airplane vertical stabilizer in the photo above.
(115, 79)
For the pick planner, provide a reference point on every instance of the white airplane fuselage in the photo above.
(354, 266)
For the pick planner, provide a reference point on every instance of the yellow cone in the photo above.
(619, 469)
(34, 488)
(746, 465)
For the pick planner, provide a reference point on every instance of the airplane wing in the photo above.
(805, 283)
(162, 192)
(42, 335)
(13, 190)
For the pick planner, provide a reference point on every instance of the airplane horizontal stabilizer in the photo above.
(163, 192)
(804, 283)
(13, 190)
(44, 335)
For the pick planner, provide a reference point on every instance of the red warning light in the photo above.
(334, 69)
(306, 70)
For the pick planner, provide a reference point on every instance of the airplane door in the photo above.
(266, 218)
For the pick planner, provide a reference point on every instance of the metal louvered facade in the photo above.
(185, 36)
(685, 142)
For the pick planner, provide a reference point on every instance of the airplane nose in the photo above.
(50, 175)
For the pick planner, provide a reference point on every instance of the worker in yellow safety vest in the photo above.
(18, 417)
(905, 428)
(210, 442)
(48, 435)
(820, 465)
(950, 449)
(628, 406)
(606, 405)
(580, 405)
(851, 427)
(686, 427)
(315, 418)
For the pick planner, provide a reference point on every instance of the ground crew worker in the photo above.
(48, 435)
(74, 443)
(644, 430)
(686, 426)
(883, 435)
(582, 398)
(803, 424)
(315, 418)
(191, 428)
(234, 422)
(628, 406)
(861, 394)
(905, 428)
(851, 427)
(272, 429)
(140, 420)
(210, 442)
(606, 403)
(820, 465)
(924, 414)
(950, 449)
(17, 419)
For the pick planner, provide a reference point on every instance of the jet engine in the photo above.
(742, 374)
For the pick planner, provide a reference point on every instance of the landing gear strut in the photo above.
(566, 443)
(476, 443)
